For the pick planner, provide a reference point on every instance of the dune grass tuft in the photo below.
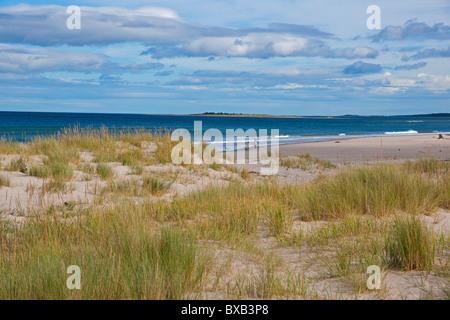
(39, 172)
(377, 190)
(410, 245)
(4, 181)
(154, 185)
(104, 171)
(305, 162)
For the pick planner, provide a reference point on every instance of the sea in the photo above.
(24, 126)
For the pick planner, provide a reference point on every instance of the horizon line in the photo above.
(243, 115)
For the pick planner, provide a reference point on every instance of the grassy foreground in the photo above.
(173, 249)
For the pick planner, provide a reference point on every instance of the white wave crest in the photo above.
(401, 132)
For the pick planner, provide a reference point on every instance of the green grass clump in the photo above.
(4, 181)
(154, 185)
(428, 166)
(39, 172)
(121, 254)
(224, 213)
(376, 190)
(61, 171)
(58, 157)
(279, 220)
(410, 245)
(57, 171)
(105, 154)
(131, 157)
(305, 162)
(104, 171)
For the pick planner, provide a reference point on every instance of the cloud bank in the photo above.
(16, 59)
(429, 53)
(413, 30)
(166, 34)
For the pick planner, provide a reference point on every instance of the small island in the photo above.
(246, 115)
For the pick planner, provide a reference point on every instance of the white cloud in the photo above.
(250, 45)
(21, 60)
(261, 45)
(46, 25)
(434, 82)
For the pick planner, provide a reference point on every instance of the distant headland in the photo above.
(246, 115)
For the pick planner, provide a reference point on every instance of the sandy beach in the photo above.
(374, 149)
(327, 201)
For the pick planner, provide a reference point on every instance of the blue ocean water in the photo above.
(23, 126)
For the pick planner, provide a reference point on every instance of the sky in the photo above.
(284, 57)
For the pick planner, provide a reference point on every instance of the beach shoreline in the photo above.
(368, 149)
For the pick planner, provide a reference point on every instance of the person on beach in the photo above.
(256, 142)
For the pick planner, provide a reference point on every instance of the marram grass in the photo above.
(410, 245)
(4, 181)
(377, 190)
(122, 254)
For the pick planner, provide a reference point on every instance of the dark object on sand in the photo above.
(440, 136)
(337, 142)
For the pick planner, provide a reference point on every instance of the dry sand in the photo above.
(374, 149)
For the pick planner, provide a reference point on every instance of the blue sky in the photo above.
(313, 57)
